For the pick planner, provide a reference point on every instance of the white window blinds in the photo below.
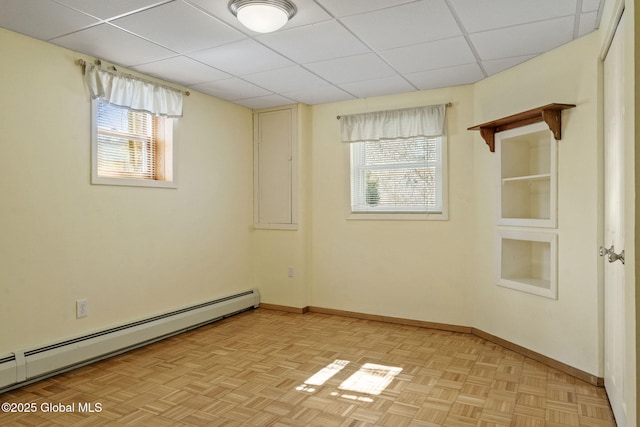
(126, 142)
(403, 175)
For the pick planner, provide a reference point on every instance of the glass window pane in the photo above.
(397, 175)
(126, 142)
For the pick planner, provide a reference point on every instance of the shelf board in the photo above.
(531, 281)
(551, 114)
(525, 221)
(528, 178)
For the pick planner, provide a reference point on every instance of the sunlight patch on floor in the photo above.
(322, 376)
(370, 380)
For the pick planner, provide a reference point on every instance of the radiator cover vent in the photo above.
(23, 367)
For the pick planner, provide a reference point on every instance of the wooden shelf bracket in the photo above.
(551, 114)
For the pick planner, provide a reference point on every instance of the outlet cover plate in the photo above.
(82, 308)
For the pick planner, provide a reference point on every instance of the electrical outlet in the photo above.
(291, 272)
(82, 308)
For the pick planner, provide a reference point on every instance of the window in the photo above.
(131, 147)
(398, 163)
(397, 176)
(132, 128)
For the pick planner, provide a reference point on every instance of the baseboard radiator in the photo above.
(22, 367)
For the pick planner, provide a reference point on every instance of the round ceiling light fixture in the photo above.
(262, 16)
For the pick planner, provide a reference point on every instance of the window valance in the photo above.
(427, 121)
(129, 91)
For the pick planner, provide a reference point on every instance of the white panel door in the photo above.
(614, 274)
(274, 171)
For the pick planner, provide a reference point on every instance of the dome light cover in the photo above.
(263, 16)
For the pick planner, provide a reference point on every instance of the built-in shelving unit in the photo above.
(526, 148)
(528, 262)
(527, 170)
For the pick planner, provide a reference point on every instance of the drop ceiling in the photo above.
(332, 50)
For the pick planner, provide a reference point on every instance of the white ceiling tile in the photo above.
(194, 31)
(404, 25)
(482, 15)
(218, 9)
(429, 56)
(445, 77)
(331, 50)
(352, 68)
(122, 48)
(320, 95)
(378, 87)
(588, 23)
(264, 102)
(243, 57)
(312, 43)
(523, 39)
(340, 8)
(590, 5)
(182, 70)
(308, 13)
(231, 89)
(109, 9)
(497, 65)
(42, 19)
(286, 79)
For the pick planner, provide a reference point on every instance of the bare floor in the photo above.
(269, 368)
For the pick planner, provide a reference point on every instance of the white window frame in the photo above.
(170, 155)
(386, 214)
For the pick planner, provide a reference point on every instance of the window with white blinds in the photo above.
(397, 175)
(131, 147)
(126, 143)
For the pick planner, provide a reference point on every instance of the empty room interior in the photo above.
(384, 213)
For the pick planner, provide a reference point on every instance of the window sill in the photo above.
(133, 182)
(400, 216)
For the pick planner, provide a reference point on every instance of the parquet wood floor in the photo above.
(270, 368)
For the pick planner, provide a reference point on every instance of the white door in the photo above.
(614, 274)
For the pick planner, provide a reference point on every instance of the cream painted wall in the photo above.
(133, 252)
(409, 269)
(445, 271)
(568, 329)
